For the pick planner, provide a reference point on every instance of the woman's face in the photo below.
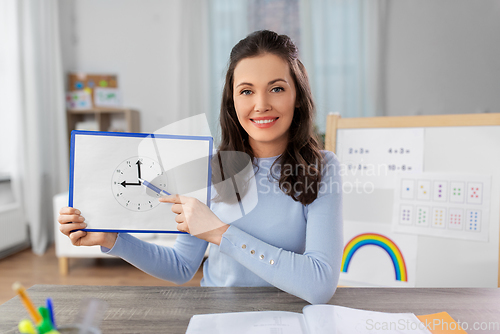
(265, 99)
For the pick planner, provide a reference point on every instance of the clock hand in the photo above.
(139, 163)
(154, 188)
(125, 184)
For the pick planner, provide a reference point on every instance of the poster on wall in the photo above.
(78, 100)
(375, 156)
(107, 97)
(102, 89)
(444, 205)
(375, 256)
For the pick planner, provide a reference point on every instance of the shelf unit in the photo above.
(103, 116)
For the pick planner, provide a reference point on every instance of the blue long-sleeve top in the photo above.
(283, 243)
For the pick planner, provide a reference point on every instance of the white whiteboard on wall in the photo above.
(441, 262)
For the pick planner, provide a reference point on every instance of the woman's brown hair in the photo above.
(302, 158)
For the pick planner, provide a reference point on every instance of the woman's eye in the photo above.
(246, 92)
(277, 89)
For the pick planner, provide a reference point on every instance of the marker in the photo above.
(46, 325)
(51, 312)
(153, 187)
(19, 289)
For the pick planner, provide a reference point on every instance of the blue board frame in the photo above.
(136, 135)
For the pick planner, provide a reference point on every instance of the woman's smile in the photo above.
(264, 122)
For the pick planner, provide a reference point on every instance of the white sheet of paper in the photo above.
(107, 97)
(78, 100)
(267, 322)
(315, 319)
(320, 319)
(373, 156)
(103, 161)
(372, 265)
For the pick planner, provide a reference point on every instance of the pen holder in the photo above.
(77, 329)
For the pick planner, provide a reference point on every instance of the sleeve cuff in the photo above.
(247, 249)
(115, 250)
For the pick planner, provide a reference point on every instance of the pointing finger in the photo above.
(170, 199)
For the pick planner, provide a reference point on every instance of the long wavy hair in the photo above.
(302, 158)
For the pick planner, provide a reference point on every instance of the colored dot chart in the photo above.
(443, 205)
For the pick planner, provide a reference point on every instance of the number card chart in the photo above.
(116, 178)
(443, 205)
(374, 156)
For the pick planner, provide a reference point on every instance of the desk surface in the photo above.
(168, 309)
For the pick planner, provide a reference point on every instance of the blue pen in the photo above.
(51, 312)
(153, 187)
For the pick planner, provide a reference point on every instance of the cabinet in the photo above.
(13, 228)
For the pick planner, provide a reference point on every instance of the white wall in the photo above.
(443, 57)
(136, 40)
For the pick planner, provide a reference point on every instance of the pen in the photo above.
(17, 287)
(153, 187)
(51, 312)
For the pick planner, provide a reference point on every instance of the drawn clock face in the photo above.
(129, 191)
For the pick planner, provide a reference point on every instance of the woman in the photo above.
(292, 239)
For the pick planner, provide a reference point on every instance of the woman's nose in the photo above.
(262, 103)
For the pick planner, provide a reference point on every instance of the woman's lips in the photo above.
(269, 121)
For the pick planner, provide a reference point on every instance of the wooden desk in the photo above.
(168, 309)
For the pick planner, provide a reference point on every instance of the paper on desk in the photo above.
(316, 319)
(269, 322)
(322, 319)
(441, 323)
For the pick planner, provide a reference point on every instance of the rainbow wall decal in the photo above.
(378, 240)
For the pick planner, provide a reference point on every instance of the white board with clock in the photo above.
(109, 169)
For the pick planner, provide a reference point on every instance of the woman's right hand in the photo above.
(71, 220)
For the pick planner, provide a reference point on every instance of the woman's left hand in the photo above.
(195, 218)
